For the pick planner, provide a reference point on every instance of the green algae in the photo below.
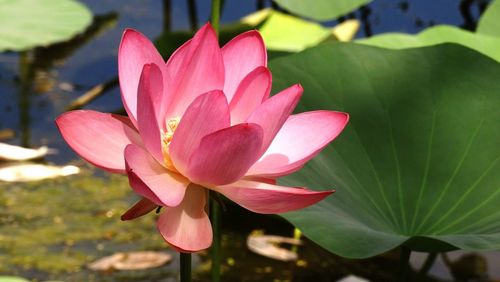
(59, 226)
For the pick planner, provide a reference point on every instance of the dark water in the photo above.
(55, 76)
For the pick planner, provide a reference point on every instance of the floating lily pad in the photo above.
(485, 44)
(321, 10)
(417, 164)
(25, 24)
(489, 23)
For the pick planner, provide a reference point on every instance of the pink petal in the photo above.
(208, 113)
(179, 58)
(241, 55)
(301, 138)
(151, 180)
(225, 156)
(135, 51)
(175, 67)
(142, 207)
(99, 138)
(187, 227)
(272, 114)
(272, 181)
(269, 199)
(251, 92)
(201, 70)
(149, 98)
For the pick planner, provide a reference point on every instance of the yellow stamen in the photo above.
(166, 138)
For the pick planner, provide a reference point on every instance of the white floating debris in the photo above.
(25, 172)
(17, 153)
(66, 86)
(130, 261)
(353, 278)
(267, 245)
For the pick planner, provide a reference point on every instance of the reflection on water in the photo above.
(26, 75)
(37, 86)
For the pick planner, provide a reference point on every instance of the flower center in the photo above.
(166, 138)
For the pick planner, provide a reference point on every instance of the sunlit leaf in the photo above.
(288, 33)
(12, 279)
(321, 10)
(281, 32)
(485, 44)
(417, 163)
(25, 24)
(489, 23)
(347, 30)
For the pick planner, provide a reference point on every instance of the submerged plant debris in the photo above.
(130, 261)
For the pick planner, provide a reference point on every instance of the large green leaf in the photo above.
(485, 44)
(25, 24)
(417, 163)
(489, 23)
(321, 10)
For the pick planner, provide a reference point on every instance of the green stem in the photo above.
(193, 15)
(296, 235)
(185, 267)
(26, 79)
(404, 264)
(215, 15)
(215, 216)
(167, 16)
(215, 250)
(429, 261)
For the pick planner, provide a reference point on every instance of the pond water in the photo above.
(53, 77)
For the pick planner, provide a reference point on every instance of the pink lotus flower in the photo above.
(202, 120)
